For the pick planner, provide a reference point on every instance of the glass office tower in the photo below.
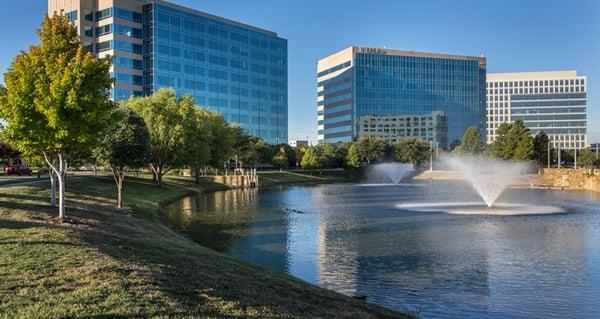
(235, 69)
(391, 84)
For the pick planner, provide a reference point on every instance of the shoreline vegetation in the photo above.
(104, 262)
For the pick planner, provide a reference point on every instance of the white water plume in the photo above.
(393, 171)
(489, 177)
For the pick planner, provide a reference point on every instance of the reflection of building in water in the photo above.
(548, 255)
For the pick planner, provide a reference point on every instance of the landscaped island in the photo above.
(107, 262)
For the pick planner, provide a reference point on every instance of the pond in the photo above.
(360, 240)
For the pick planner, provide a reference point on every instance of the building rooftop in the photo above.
(532, 75)
(214, 17)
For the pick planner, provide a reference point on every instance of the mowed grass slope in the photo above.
(108, 263)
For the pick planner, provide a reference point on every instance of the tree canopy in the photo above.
(166, 117)
(57, 98)
(412, 150)
(371, 149)
(472, 142)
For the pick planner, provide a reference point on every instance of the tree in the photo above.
(510, 137)
(57, 101)
(524, 150)
(263, 151)
(341, 153)
(540, 148)
(371, 149)
(280, 160)
(126, 147)
(353, 157)
(412, 150)
(472, 142)
(165, 116)
(587, 158)
(197, 142)
(311, 159)
(222, 139)
(326, 153)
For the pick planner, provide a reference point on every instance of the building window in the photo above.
(72, 15)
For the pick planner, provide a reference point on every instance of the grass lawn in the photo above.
(107, 263)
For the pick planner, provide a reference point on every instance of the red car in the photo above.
(17, 170)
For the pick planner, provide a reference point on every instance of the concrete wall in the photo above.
(569, 178)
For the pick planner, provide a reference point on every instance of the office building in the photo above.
(359, 85)
(298, 143)
(394, 127)
(552, 102)
(235, 69)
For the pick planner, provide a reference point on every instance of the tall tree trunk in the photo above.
(119, 176)
(52, 187)
(60, 172)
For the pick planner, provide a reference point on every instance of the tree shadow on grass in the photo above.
(13, 224)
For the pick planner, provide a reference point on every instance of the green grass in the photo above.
(107, 263)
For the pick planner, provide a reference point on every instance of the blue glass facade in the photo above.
(236, 70)
(379, 82)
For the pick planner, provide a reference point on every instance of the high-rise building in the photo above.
(435, 96)
(235, 69)
(552, 102)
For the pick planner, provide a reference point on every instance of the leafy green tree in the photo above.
(503, 147)
(371, 149)
(326, 153)
(197, 142)
(57, 100)
(472, 142)
(540, 148)
(264, 151)
(126, 147)
(291, 154)
(311, 159)
(222, 139)
(165, 116)
(412, 150)
(341, 153)
(509, 138)
(353, 157)
(280, 160)
(587, 158)
(524, 150)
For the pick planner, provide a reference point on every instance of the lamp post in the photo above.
(575, 151)
(559, 151)
(548, 154)
(430, 156)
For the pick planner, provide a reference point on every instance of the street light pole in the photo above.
(575, 157)
(559, 151)
(548, 154)
(431, 156)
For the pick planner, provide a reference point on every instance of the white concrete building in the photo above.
(553, 102)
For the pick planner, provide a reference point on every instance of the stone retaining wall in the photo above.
(569, 178)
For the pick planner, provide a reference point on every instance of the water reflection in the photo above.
(354, 240)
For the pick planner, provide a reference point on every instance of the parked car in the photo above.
(20, 169)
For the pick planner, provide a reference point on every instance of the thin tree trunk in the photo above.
(61, 186)
(119, 176)
(120, 192)
(52, 187)
(60, 173)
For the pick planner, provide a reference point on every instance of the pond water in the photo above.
(361, 240)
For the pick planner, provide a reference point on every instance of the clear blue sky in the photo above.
(514, 35)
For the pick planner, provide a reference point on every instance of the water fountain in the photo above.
(395, 172)
(489, 178)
